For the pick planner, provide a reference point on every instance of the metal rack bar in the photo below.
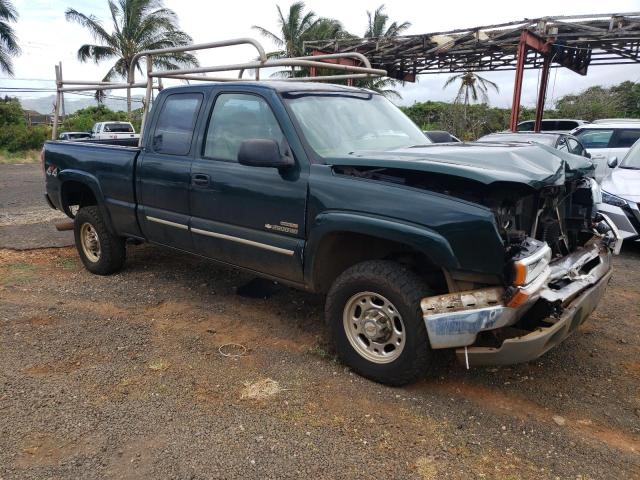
(324, 61)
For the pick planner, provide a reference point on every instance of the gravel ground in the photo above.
(26, 221)
(122, 377)
(176, 368)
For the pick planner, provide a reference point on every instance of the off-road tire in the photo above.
(112, 248)
(404, 289)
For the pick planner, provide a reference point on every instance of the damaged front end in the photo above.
(558, 263)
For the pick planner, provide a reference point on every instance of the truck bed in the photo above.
(109, 170)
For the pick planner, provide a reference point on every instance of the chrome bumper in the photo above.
(454, 320)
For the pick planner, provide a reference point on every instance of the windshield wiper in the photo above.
(629, 168)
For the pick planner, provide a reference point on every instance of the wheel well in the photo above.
(76, 194)
(341, 250)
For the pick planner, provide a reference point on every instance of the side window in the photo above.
(176, 122)
(565, 125)
(562, 144)
(237, 117)
(625, 138)
(575, 147)
(525, 127)
(548, 125)
(595, 138)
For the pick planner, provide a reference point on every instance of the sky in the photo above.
(46, 37)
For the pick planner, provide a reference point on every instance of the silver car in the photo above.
(621, 193)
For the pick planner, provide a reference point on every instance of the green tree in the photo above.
(138, 25)
(11, 112)
(378, 26)
(296, 27)
(8, 41)
(82, 120)
(472, 87)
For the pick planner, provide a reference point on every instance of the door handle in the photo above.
(200, 179)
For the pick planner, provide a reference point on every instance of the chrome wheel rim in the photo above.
(90, 242)
(374, 327)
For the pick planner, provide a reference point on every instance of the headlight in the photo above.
(613, 200)
(527, 269)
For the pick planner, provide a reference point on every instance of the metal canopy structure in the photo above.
(575, 42)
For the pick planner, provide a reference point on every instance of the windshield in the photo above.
(338, 125)
(632, 159)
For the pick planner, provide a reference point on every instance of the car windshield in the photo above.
(632, 159)
(337, 124)
(549, 140)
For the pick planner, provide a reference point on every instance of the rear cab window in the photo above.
(176, 122)
(118, 128)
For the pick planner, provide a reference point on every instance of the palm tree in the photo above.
(297, 27)
(377, 26)
(138, 25)
(472, 87)
(8, 41)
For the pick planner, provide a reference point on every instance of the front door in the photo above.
(248, 216)
(164, 172)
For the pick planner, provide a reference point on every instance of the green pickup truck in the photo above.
(494, 250)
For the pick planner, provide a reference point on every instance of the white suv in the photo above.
(607, 140)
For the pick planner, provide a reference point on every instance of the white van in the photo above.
(113, 130)
(607, 140)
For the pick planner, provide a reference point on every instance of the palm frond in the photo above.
(91, 23)
(271, 36)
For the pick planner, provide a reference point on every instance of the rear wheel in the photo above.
(373, 310)
(101, 252)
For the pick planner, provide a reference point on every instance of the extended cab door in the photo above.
(164, 171)
(252, 217)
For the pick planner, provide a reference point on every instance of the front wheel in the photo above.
(373, 310)
(101, 252)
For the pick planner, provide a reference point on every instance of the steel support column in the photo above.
(542, 93)
(517, 88)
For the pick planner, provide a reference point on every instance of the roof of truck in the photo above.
(280, 86)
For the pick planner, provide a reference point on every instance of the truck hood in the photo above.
(623, 182)
(535, 166)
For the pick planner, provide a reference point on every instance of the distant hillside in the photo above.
(72, 103)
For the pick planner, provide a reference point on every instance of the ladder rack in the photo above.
(348, 65)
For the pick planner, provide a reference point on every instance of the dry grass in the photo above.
(260, 390)
(12, 158)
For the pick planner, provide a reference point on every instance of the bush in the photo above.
(16, 138)
(11, 112)
(83, 120)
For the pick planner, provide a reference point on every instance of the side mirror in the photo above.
(612, 162)
(587, 154)
(260, 152)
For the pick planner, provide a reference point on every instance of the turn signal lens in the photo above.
(518, 299)
(520, 273)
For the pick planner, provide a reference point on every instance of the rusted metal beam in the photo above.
(517, 89)
(542, 93)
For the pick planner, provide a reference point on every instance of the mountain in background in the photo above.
(72, 104)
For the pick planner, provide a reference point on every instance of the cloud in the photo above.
(46, 37)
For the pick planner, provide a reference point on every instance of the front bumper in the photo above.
(570, 287)
(626, 218)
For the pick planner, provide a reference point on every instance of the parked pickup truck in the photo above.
(495, 250)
